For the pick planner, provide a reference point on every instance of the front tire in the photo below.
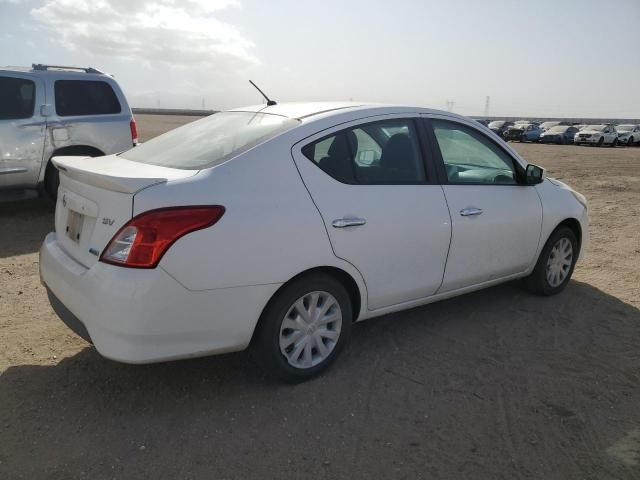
(555, 264)
(601, 141)
(304, 327)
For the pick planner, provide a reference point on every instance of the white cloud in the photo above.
(180, 33)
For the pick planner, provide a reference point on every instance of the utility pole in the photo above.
(450, 104)
(487, 101)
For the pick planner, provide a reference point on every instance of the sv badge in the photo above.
(107, 221)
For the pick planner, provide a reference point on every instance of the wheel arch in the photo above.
(575, 227)
(72, 150)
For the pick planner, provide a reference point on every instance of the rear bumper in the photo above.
(145, 316)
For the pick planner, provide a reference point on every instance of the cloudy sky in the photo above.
(537, 57)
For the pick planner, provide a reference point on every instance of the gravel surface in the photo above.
(497, 384)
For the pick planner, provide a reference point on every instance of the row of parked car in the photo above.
(564, 132)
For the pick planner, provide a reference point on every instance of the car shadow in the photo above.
(494, 384)
(24, 224)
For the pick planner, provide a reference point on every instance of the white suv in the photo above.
(47, 111)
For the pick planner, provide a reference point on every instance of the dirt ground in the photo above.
(497, 384)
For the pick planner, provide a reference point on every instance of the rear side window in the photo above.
(376, 153)
(17, 98)
(85, 97)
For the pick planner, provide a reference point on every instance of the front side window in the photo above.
(17, 98)
(385, 152)
(85, 97)
(470, 157)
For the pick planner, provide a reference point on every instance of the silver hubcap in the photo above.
(559, 262)
(310, 329)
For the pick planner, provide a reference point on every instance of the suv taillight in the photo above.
(134, 131)
(142, 241)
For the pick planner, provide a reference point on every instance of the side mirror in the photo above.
(533, 174)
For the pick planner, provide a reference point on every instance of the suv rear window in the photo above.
(210, 141)
(17, 98)
(85, 97)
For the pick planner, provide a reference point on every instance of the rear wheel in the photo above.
(555, 264)
(615, 142)
(51, 181)
(304, 327)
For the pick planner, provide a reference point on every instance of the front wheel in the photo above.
(555, 264)
(304, 327)
(601, 141)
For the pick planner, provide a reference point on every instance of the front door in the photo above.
(382, 211)
(496, 222)
(22, 130)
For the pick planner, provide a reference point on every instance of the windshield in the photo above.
(624, 128)
(548, 124)
(599, 128)
(210, 141)
(558, 129)
(497, 124)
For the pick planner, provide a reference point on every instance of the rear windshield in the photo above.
(210, 141)
(558, 129)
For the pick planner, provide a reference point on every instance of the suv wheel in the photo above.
(51, 181)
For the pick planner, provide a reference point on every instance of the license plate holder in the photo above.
(75, 221)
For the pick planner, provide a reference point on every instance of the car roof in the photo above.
(310, 111)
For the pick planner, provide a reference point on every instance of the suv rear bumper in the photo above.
(145, 315)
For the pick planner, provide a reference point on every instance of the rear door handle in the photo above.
(470, 211)
(348, 222)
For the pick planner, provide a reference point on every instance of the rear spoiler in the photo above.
(131, 176)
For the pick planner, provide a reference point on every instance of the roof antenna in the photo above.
(269, 101)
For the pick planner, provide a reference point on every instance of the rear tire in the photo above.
(297, 341)
(555, 265)
(51, 181)
(614, 143)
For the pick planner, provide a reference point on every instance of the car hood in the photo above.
(589, 131)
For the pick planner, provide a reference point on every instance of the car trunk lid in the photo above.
(95, 200)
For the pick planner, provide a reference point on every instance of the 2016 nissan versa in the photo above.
(281, 225)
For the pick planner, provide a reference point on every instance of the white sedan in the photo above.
(597, 135)
(280, 226)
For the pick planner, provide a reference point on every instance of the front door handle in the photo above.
(470, 211)
(348, 222)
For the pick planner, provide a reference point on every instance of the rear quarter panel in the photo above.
(108, 133)
(270, 232)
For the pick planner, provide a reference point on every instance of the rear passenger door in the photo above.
(380, 204)
(496, 221)
(22, 129)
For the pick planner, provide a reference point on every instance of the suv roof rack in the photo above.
(43, 67)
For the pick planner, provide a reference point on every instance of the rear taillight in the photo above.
(143, 241)
(134, 131)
